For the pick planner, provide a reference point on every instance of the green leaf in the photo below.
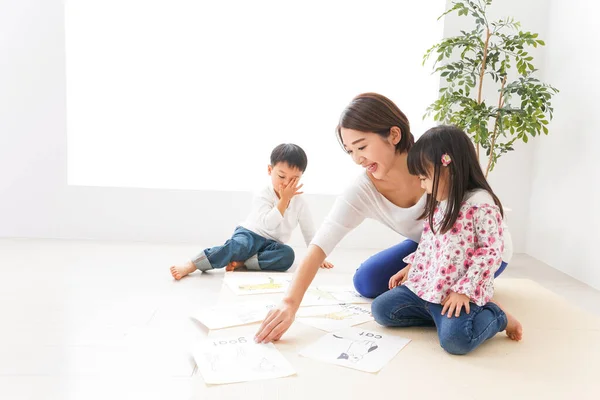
(506, 56)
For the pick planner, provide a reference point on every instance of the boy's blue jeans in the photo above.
(400, 307)
(257, 253)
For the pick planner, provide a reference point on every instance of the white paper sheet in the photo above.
(329, 295)
(228, 315)
(334, 318)
(239, 359)
(242, 283)
(356, 348)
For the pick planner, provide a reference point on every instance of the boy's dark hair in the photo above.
(289, 153)
(372, 112)
(464, 170)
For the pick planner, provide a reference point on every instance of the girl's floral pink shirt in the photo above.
(462, 260)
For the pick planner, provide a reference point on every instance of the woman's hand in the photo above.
(277, 322)
(279, 319)
(326, 265)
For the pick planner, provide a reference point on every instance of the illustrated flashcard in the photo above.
(248, 283)
(329, 295)
(228, 315)
(239, 359)
(356, 348)
(335, 318)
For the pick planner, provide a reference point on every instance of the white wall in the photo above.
(564, 221)
(511, 179)
(35, 200)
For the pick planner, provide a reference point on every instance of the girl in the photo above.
(449, 280)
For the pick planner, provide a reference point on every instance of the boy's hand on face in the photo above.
(292, 189)
(286, 193)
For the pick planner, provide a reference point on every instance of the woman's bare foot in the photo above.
(234, 265)
(179, 271)
(514, 329)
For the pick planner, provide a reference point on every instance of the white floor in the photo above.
(87, 320)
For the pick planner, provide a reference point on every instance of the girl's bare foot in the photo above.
(234, 265)
(514, 329)
(179, 271)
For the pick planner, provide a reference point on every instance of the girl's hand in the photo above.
(400, 277)
(326, 265)
(454, 303)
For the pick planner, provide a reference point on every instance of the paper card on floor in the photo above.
(324, 295)
(247, 283)
(356, 348)
(228, 315)
(239, 359)
(335, 318)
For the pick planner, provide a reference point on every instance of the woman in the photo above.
(376, 134)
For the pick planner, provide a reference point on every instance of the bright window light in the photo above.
(192, 94)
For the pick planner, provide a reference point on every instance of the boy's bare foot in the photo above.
(234, 265)
(179, 271)
(514, 329)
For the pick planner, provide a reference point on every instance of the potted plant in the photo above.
(492, 53)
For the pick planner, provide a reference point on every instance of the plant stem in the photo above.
(482, 72)
(500, 105)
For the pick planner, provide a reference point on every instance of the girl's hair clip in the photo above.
(446, 160)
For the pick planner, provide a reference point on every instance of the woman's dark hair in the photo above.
(372, 112)
(290, 153)
(465, 173)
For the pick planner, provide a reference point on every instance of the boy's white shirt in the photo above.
(266, 220)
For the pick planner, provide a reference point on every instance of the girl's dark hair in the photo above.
(465, 173)
(290, 153)
(372, 112)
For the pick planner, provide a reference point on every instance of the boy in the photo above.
(258, 243)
